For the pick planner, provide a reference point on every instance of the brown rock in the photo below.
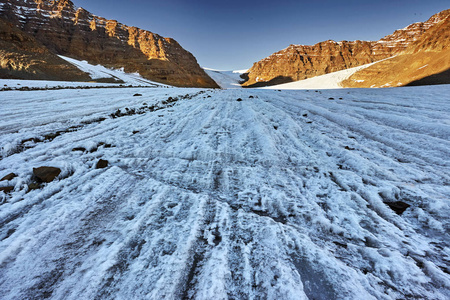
(101, 164)
(9, 177)
(34, 186)
(46, 174)
(6, 189)
(82, 149)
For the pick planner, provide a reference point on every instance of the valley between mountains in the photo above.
(127, 171)
(226, 194)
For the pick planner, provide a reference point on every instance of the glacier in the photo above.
(226, 194)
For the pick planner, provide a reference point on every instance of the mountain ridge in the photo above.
(297, 62)
(67, 30)
(428, 57)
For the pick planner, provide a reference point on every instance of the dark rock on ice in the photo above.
(398, 206)
(34, 186)
(9, 177)
(101, 164)
(46, 174)
(6, 189)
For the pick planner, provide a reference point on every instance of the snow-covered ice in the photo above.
(226, 79)
(99, 71)
(279, 196)
(328, 81)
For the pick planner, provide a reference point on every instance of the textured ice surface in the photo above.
(278, 196)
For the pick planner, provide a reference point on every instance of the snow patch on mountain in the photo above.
(327, 81)
(99, 71)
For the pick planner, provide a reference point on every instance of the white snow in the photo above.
(327, 81)
(278, 196)
(18, 83)
(226, 79)
(99, 71)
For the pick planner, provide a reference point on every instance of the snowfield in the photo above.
(99, 71)
(328, 81)
(281, 195)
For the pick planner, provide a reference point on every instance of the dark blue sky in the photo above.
(230, 35)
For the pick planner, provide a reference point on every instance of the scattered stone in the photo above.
(340, 244)
(348, 148)
(9, 177)
(275, 127)
(331, 98)
(305, 115)
(239, 100)
(101, 164)
(398, 207)
(341, 98)
(79, 149)
(52, 136)
(34, 186)
(135, 131)
(46, 174)
(309, 122)
(209, 96)
(251, 97)
(6, 189)
(137, 95)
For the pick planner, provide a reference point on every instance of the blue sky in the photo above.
(230, 35)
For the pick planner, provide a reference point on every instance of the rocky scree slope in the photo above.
(67, 30)
(298, 62)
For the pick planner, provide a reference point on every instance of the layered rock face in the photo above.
(75, 32)
(23, 57)
(299, 62)
(425, 61)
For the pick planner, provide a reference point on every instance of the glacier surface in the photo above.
(280, 195)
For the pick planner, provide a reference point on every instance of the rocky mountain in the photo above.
(298, 62)
(426, 61)
(67, 30)
(23, 57)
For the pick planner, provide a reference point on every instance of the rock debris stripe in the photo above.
(170, 102)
